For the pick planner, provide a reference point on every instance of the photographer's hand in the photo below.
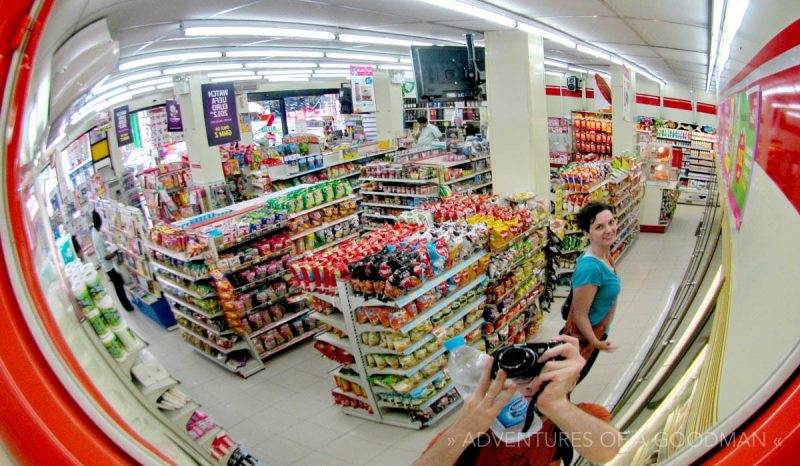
(557, 377)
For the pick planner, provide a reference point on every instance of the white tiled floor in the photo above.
(285, 414)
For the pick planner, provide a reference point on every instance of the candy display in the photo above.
(178, 239)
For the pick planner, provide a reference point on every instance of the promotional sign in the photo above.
(560, 141)
(627, 93)
(174, 120)
(738, 142)
(362, 82)
(219, 113)
(122, 122)
(602, 94)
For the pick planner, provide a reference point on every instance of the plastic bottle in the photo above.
(465, 365)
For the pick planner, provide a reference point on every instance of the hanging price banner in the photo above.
(219, 113)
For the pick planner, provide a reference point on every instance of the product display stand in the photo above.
(382, 404)
(625, 195)
(661, 188)
(593, 134)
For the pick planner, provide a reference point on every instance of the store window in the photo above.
(276, 114)
(266, 120)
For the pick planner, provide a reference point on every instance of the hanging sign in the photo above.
(627, 94)
(362, 81)
(602, 94)
(174, 120)
(122, 122)
(219, 113)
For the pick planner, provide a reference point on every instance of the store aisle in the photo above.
(285, 414)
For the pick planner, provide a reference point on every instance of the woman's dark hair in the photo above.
(589, 212)
(97, 221)
(422, 120)
(75, 244)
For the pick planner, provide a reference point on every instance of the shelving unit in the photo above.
(593, 136)
(441, 116)
(166, 192)
(626, 191)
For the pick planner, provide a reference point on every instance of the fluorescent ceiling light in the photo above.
(143, 90)
(395, 67)
(235, 78)
(593, 52)
(274, 53)
(224, 74)
(578, 70)
(332, 76)
(554, 73)
(110, 102)
(732, 20)
(342, 73)
(203, 67)
(555, 63)
(99, 89)
(283, 72)
(108, 95)
(164, 86)
(477, 12)
(257, 31)
(280, 64)
(717, 8)
(336, 65)
(60, 138)
(546, 34)
(382, 40)
(287, 79)
(169, 58)
(362, 56)
(405, 60)
(150, 82)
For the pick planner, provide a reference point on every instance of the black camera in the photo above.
(521, 361)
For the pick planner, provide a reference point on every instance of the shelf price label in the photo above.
(219, 113)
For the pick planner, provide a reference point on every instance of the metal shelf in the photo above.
(401, 180)
(255, 262)
(289, 344)
(189, 292)
(381, 193)
(177, 272)
(286, 318)
(336, 319)
(209, 342)
(327, 204)
(331, 244)
(478, 186)
(468, 177)
(191, 306)
(181, 256)
(323, 226)
(331, 339)
(203, 324)
(252, 236)
(390, 206)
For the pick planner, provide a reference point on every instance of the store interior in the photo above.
(297, 250)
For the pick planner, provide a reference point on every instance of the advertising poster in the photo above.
(738, 150)
(627, 94)
(122, 122)
(174, 120)
(560, 140)
(602, 94)
(219, 113)
(362, 82)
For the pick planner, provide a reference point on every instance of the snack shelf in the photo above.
(250, 237)
(333, 243)
(381, 193)
(478, 186)
(258, 261)
(277, 323)
(343, 161)
(533, 294)
(385, 217)
(367, 156)
(181, 256)
(332, 300)
(289, 344)
(424, 362)
(128, 251)
(255, 283)
(455, 163)
(468, 177)
(438, 395)
(203, 324)
(511, 336)
(352, 395)
(177, 272)
(331, 339)
(513, 290)
(355, 173)
(323, 226)
(350, 378)
(467, 308)
(251, 367)
(321, 206)
(441, 415)
(425, 287)
(305, 172)
(674, 139)
(401, 180)
(521, 236)
(237, 346)
(195, 294)
(518, 262)
(335, 320)
(390, 206)
(592, 189)
(623, 237)
(190, 306)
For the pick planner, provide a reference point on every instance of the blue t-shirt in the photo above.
(589, 270)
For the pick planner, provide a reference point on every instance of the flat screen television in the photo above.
(441, 72)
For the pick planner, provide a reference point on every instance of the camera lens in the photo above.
(517, 361)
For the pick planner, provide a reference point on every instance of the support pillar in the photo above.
(389, 104)
(624, 125)
(517, 109)
(205, 160)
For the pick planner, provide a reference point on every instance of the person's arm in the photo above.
(437, 135)
(582, 297)
(595, 439)
(479, 411)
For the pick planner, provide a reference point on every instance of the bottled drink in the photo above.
(465, 365)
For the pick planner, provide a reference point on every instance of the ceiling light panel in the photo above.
(280, 64)
(150, 82)
(235, 78)
(110, 84)
(168, 58)
(362, 56)
(477, 12)
(396, 67)
(546, 34)
(226, 74)
(593, 52)
(274, 53)
(288, 79)
(382, 40)
(257, 31)
(555, 63)
(203, 67)
(283, 72)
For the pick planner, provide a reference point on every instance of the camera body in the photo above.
(521, 361)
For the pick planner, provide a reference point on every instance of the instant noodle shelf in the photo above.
(237, 346)
(333, 243)
(335, 320)
(181, 256)
(390, 206)
(331, 339)
(321, 206)
(192, 293)
(325, 225)
(468, 177)
(211, 329)
(401, 180)
(467, 308)
(191, 306)
(260, 281)
(278, 323)
(260, 260)
(294, 341)
(174, 271)
(425, 287)
(420, 365)
(252, 236)
(382, 193)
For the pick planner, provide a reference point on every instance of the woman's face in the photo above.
(603, 231)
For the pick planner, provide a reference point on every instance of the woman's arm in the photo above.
(582, 298)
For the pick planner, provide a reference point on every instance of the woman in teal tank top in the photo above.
(595, 284)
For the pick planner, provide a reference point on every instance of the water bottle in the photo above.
(465, 365)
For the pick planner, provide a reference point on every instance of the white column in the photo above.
(389, 104)
(517, 109)
(624, 135)
(204, 159)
